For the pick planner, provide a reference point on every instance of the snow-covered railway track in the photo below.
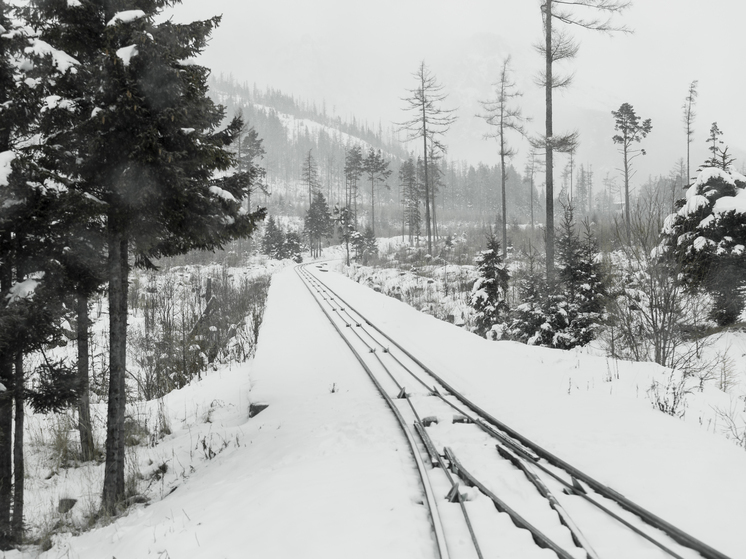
(566, 512)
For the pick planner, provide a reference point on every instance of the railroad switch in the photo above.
(385, 350)
(577, 489)
(454, 495)
(402, 394)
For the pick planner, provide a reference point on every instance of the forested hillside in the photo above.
(465, 191)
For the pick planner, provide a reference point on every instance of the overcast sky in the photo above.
(359, 57)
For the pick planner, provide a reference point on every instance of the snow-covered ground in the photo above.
(323, 471)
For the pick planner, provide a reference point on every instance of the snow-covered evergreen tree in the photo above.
(273, 239)
(568, 313)
(707, 235)
(488, 294)
(145, 146)
(527, 318)
(580, 300)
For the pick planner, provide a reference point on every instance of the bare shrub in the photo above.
(189, 321)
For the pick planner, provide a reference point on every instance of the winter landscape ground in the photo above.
(324, 472)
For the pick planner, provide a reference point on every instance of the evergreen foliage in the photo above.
(278, 244)
(489, 292)
(631, 129)
(273, 241)
(569, 312)
(365, 245)
(345, 222)
(528, 317)
(318, 223)
(377, 171)
(707, 236)
(354, 167)
(310, 176)
(412, 194)
(138, 141)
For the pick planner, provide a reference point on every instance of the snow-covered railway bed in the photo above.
(490, 491)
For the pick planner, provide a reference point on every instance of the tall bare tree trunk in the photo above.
(435, 221)
(427, 187)
(502, 188)
(84, 410)
(626, 196)
(549, 133)
(373, 205)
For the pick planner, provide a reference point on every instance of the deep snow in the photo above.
(323, 471)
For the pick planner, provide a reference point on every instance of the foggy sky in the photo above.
(359, 56)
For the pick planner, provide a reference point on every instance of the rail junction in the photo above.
(489, 490)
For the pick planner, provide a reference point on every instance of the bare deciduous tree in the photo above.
(501, 114)
(429, 121)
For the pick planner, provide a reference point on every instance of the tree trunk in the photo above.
(113, 491)
(372, 205)
(549, 133)
(6, 426)
(502, 188)
(626, 195)
(18, 461)
(427, 183)
(435, 221)
(84, 411)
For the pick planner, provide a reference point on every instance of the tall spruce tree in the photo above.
(148, 145)
(411, 196)
(31, 220)
(318, 223)
(310, 176)
(273, 240)
(353, 171)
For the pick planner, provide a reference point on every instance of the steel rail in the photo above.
(678, 535)
(454, 495)
(430, 499)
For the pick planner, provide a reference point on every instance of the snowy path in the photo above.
(324, 472)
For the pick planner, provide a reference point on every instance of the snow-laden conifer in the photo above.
(707, 235)
(488, 294)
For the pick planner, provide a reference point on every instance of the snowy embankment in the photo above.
(323, 471)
